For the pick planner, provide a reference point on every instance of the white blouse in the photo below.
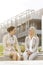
(31, 44)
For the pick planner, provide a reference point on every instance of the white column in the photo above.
(42, 32)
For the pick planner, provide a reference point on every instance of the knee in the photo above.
(25, 55)
(33, 56)
(13, 55)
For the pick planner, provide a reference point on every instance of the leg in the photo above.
(32, 56)
(25, 55)
(18, 56)
(13, 55)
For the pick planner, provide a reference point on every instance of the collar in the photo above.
(30, 37)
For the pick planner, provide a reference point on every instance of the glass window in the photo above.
(40, 43)
(27, 24)
(36, 23)
(23, 27)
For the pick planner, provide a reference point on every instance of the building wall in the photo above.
(22, 30)
(23, 22)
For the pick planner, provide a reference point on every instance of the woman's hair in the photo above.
(10, 28)
(32, 27)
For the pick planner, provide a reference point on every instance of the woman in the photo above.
(10, 40)
(31, 44)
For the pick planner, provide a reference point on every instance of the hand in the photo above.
(8, 45)
(20, 53)
(29, 53)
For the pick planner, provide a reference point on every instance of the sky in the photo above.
(10, 8)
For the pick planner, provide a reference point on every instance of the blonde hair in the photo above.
(32, 27)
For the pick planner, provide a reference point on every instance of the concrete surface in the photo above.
(8, 59)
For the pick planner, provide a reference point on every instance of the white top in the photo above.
(31, 44)
(10, 40)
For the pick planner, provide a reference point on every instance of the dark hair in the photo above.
(10, 28)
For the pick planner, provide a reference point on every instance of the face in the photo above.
(13, 31)
(31, 32)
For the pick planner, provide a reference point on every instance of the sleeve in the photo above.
(17, 45)
(4, 41)
(26, 49)
(36, 45)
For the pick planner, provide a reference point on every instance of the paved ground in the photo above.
(5, 59)
(39, 58)
(8, 59)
